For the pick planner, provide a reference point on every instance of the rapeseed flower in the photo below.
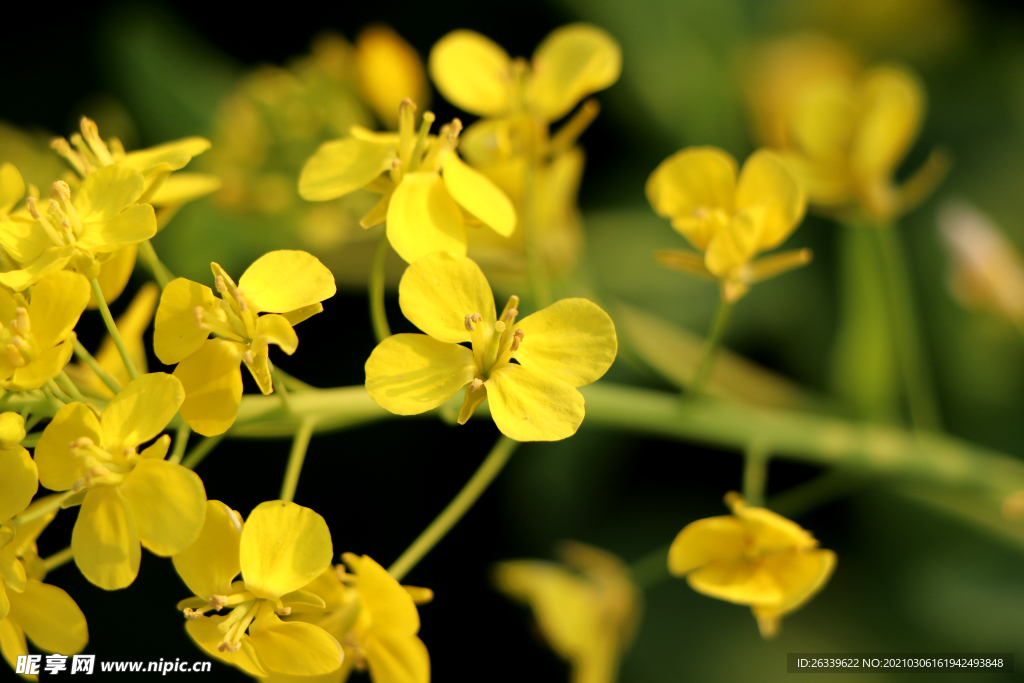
(17, 487)
(429, 193)
(280, 550)
(566, 345)
(38, 338)
(289, 285)
(588, 611)
(127, 496)
(388, 71)
(753, 557)
(728, 220)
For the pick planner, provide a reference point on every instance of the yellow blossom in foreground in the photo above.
(566, 345)
(754, 557)
(280, 549)
(127, 496)
(388, 70)
(288, 285)
(429, 193)
(588, 612)
(728, 220)
(18, 485)
(36, 336)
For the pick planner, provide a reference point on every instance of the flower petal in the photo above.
(43, 368)
(423, 218)
(739, 581)
(168, 502)
(22, 238)
(735, 243)
(57, 302)
(342, 166)
(572, 339)
(409, 374)
(141, 410)
(19, 482)
(472, 72)
(114, 274)
(213, 386)
(275, 329)
(893, 102)
(767, 185)
(182, 188)
(105, 541)
(572, 62)
(12, 187)
(209, 565)
(530, 406)
(50, 618)
(207, 636)
(478, 195)
(800, 575)
(689, 187)
(284, 546)
(175, 333)
(704, 541)
(285, 280)
(437, 292)
(49, 261)
(12, 638)
(294, 647)
(106, 192)
(390, 606)
(170, 156)
(131, 226)
(388, 70)
(58, 468)
(397, 658)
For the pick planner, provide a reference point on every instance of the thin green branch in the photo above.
(180, 442)
(296, 458)
(377, 312)
(161, 273)
(201, 450)
(281, 388)
(108, 320)
(82, 354)
(755, 473)
(41, 511)
(652, 568)
(711, 344)
(56, 391)
(58, 559)
(69, 388)
(536, 270)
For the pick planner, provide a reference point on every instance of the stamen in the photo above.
(81, 442)
(218, 601)
(92, 135)
(33, 210)
(62, 190)
(21, 322)
(421, 140)
(476, 384)
(512, 305)
(20, 342)
(499, 327)
(283, 611)
(14, 356)
(396, 170)
(84, 150)
(472, 318)
(239, 296)
(198, 311)
(517, 339)
(249, 357)
(220, 284)
(79, 162)
(192, 614)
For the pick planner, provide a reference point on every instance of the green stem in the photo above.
(295, 459)
(69, 388)
(377, 313)
(52, 386)
(711, 344)
(652, 568)
(460, 504)
(82, 354)
(281, 388)
(535, 268)
(824, 488)
(201, 450)
(755, 474)
(108, 320)
(43, 510)
(924, 412)
(180, 443)
(58, 559)
(161, 273)
(292, 383)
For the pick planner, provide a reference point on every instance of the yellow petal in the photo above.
(284, 546)
(181, 188)
(12, 187)
(777, 264)
(285, 280)
(141, 410)
(690, 187)
(475, 193)
(12, 569)
(396, 658)
(893, 102)
(12, 638)
(209, 565)
(23, 544)
(437, 292)
(800, 575)
(766, 185)
(106, 193)
(12, 431)
(158, 449)
(472, 72)
(213, 386)
(276, 329)
(735, 244)
(105, 541)
(114, 274)
(170, 156)
(19, 483)
(259, 367)
(742, 582)
(684, 261)
(530, 406)
(423, 218)
(572, 62)
(168, 502)
(58, 468)
(391, 608)
(131, 226)
(22, 238)
(207, 636)
(305, 313)
(43, 368)
(57, 302)
(388, 70)
(5, 603)
(343, 166)
(175, 333)
(50, 618)
(572, 340)
(51, 260)
(294, 647)
(705, 541)
(409, 374)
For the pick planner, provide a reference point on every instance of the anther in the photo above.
(81, 442)
(218, 601)
(499, 327)
(239, 296)
(21, 321)
(510, 315)
(33, 210)
(517, 339)
(249, 357)
(62, 190)
(283, 611)
(406, 105)
(198, 312)
(472, 318)
(192, 614)
(229, 647)
(396, 164)
(14, 356)
(220, 285)
(476, 384)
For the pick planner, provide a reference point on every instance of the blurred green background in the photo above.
(908, 579)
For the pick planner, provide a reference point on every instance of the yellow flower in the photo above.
(281, 548)
(429, 193)
(18, 485)
(566, 345)
(37, 338)
(287, 284)
(841, 130)
(126, 496)
(588, 612)
(388, 70)
(754, 557)
(729, 221)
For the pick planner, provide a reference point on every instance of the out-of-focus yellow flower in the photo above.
(17, 487)
(588, 612)
(729, 221)
(280, 550)
(840, 130)
(127, 497)
(429, 193)
(754, 557)
(987, 272)
(566, 345)
(38, 337)
(132, 324)
(388, 70)
(288, 285)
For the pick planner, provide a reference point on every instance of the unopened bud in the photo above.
(12, 429)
